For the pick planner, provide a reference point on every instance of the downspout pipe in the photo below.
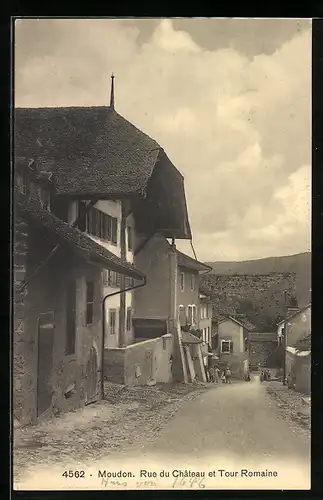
(103, 324)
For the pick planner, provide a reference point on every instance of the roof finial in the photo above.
(112, 92)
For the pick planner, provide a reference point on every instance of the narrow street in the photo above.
(228, 428)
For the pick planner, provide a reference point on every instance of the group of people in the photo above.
(264, 375)
(216, 375)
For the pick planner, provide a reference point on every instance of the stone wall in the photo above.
(140, 363)
(261, 352)
(22, 353)
(46, 292)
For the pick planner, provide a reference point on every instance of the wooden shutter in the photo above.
(114, 230)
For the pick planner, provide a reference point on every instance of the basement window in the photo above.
(226, 346)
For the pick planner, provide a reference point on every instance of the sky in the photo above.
(229, 100)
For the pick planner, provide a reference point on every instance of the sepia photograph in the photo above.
(161, 333)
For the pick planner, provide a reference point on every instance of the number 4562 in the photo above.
(74, 473)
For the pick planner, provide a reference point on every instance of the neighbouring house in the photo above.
(298, 364)
(293, 332)
(205, 323)
(170, 300)
(57, 331)
(122, 188)
(295, 325)
(231, 343)
(264, 350)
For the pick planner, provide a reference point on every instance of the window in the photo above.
(89, 302)
(192, 281)
(194, 315)
(227, 346)
(70, 318)
(182, 281)
(112, 321)
(130, 282)
(181, 315)
(129, 319)
(130, 238)
(191, 314)
(111, 278)
(98, 224)
(118, 279)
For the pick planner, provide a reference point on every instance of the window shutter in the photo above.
(118, 279)
(114, 230)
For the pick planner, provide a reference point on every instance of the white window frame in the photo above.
(229, 342)
(193, 282)
(182, 281)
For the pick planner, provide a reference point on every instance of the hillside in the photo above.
(299, 264)
(256, 288)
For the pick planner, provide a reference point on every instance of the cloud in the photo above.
(237, 127)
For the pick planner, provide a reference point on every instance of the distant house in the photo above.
(57, 337)
(232, 343)
(294, 333)
(296, 325)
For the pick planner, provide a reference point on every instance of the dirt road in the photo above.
(230, 437)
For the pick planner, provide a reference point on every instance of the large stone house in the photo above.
(57, 337)
(119, 188)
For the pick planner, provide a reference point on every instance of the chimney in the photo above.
(112, 92)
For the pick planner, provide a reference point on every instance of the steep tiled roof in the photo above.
(32, 211)
(186, 261)
(88, 148)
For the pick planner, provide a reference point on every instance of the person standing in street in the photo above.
(216, 374)
(228, 376)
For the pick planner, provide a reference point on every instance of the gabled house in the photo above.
(170, 300)
(232, 345)
(297, 324)
(121, 188)
(57, 334)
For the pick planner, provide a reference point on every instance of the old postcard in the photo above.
(162, 248)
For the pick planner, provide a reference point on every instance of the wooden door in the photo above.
(46, 329)
(92, 377)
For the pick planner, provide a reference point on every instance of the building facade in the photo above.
(57, 335)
